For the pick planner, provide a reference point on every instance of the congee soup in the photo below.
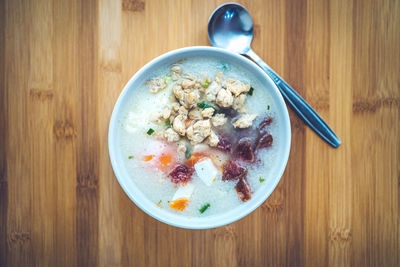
(199, 137)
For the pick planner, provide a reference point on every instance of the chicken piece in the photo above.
(176, 72)
(195, 114)
(224, 98)
(156, 85)
(178, 92)
(174, 108)
(238, 103)
(181, 150)
(188, 84)
(171, 135)
(213, 139)
(218, 120)
(176, 69)
(207, 113)
(186, 98)
(198, 131)
(212, 91)
(236, 86)
(183, 111)
(166, 113)
(244, 121)
(179, 124)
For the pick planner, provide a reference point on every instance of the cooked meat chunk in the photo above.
(187, 98)
(224, 98)
(195, 114)
(183, 111)
(179, 124)
(238, 103)
(188, 84)
(181, 174)
(233, 171)
(266, 121)
(176, 72)
(207, 113)
(265, 140)
(171, 135)
(212, 91)
(218, 120)
(244, 151)
(174, 108)
(243, 189)
(224, 144)
(176, 69)
(199, 131)
(166, 113)
(244, 121)
(156, 85)
(236, 86)
(213, 139)
(181, 149)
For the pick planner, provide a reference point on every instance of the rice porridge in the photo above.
(198, 138)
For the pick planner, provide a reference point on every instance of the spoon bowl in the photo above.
(230, 27)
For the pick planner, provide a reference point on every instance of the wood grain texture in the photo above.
(62, 67)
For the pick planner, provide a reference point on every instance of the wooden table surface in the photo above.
(63, 65)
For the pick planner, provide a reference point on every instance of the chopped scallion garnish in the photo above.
(206, 83)
(130, 157)
(204, 208)
(250, 92)
(168, 124)
(150, 131)
(268, 107)
(188, 153)
(204, 105)
(261, 179)
(167, 78)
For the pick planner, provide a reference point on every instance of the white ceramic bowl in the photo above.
(229, 216)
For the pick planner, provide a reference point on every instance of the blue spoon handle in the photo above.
(298, 104)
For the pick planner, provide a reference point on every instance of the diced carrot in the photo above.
(148, 157)
(179, 204)
(165, 161)
(195, 158)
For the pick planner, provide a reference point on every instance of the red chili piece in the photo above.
(243, 190)
(181, 174)
(233, 171)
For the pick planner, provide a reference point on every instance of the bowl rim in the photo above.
(112, 134)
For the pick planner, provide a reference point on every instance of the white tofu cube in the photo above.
(184, 191)
(206, 171)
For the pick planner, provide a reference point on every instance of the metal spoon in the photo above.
(230, 27)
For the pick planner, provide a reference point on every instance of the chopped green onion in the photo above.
(204, 105)
(224, 66)
(168, 124)
(167, 78)
(206, 83)
(188, 153)
(261, 180)
(268, 107)
(204, 208)
(250, 92)
(150, 131)
(130, 157)
(159, 202)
